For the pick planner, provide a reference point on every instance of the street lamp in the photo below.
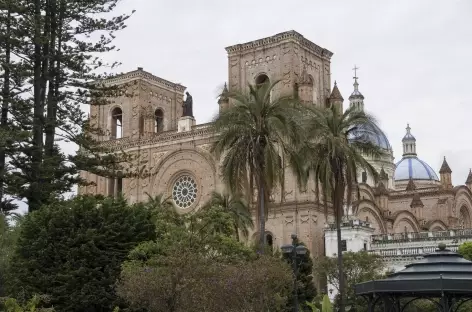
(293, 251)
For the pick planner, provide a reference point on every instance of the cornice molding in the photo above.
(146, 76)
(278, 38)
(200, 131)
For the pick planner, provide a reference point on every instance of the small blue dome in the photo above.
(414, 168)
(370, 133)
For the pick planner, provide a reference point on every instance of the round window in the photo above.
(184, 191)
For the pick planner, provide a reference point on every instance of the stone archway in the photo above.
(405, 221)
(464, 217)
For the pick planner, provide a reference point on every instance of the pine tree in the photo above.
(72, 251)
(59, 52)
(12, 79)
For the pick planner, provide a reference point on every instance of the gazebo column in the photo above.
(445, 303)
(391, 304)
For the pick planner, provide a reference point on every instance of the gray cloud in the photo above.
(414, 57)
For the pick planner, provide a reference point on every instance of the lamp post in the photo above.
(292, 251)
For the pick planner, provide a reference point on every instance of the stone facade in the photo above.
(174, 151)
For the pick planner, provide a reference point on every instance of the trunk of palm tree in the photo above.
(338, 197)
(261, 218)
(236, 230)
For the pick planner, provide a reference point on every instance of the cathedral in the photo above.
(156, 125)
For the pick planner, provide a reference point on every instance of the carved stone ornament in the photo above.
(156, 157)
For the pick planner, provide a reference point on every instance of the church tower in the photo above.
(289, 57)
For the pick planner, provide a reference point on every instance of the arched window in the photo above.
(115, 186)
(261, 80)
(141, 124)
(269, 240)
(116, 123)
(159, 118)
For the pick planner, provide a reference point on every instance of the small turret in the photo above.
(223, 101)
(356, 99)
(383, 176)
(468, 182)
(409, 143)
(336, 99)
(411, 186)
(416, 205)
(445, 175)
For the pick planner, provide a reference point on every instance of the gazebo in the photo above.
(442, 277)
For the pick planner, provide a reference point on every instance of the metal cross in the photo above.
(355, 71)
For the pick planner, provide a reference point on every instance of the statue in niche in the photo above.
(187, 106)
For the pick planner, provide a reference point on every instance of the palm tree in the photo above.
(254, 135)
(334, 155)
(238, 210)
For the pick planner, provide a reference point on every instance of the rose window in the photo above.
(184, 192)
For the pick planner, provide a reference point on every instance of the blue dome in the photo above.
(370, 133)
(415, 169)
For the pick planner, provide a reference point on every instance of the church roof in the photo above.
(414, 168)
(445, 167)
(335, 94)
(371, 133)
(469, 178)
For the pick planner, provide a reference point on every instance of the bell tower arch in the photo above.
(288, 57)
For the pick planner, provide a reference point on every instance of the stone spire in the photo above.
(335, 94)
(356, 99)
(416, 201)
(336, 99)
(416, 205)
(383, 176)
(409, 143)
(411, 186)
(468, 182)
(223, 101)
(445, 167)
(445, 175)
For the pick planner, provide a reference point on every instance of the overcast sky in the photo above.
(415, 58)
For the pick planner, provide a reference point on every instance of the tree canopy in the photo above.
(197, 264)
(72, 251)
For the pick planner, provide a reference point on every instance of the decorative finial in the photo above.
(356, 84)
(335, 84)
(355, 71)
(408, 128)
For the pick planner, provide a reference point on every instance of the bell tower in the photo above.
(288, 57)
